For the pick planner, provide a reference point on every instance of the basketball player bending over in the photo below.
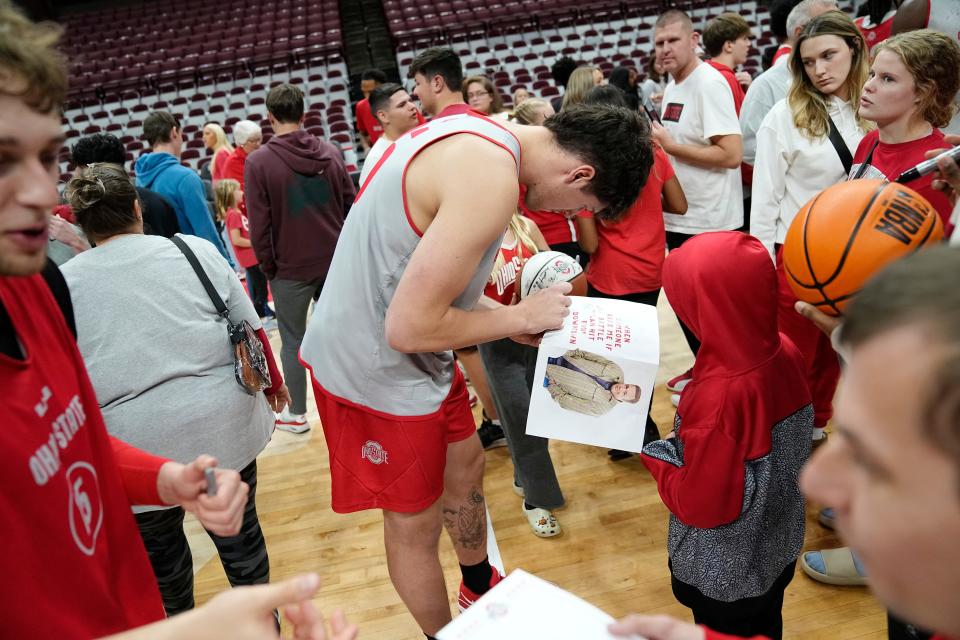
(402, 291)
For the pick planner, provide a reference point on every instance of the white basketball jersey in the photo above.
(345, 345)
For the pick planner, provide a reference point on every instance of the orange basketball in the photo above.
(848, 232)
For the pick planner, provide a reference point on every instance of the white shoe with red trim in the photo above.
(678, 383)
(291, 422)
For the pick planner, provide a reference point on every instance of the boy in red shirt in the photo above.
(726, 40)
(76, 557)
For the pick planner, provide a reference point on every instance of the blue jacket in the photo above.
(163, 173)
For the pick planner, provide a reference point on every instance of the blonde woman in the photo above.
(795, 157)
(228, 200)
(581, 80)
(216, 141)
(532, 111)
(480, 93)
(796, 160)
(510, 368)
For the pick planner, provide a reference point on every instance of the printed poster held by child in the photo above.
(595, 376)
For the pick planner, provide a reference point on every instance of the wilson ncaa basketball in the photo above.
(547, 268)
(848, 232)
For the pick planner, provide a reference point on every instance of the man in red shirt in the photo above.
(66, 482)
(726, 40)
(368, 126)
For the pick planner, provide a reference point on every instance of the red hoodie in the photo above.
(297, 193)
(742, 427)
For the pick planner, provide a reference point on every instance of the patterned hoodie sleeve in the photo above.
(700, 477)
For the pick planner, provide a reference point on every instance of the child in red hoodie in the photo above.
(729, 471)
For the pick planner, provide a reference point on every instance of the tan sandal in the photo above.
(838, 565)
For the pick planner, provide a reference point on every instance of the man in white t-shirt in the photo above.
(701, 134)
(393, 107)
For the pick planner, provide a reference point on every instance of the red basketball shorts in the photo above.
(382, 461)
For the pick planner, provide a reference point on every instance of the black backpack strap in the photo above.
(201, 274)
(862, 169)
(837, 140)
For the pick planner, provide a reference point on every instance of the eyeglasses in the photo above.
(478, 94)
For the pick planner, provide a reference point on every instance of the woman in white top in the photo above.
(795, 158)
(481, 94)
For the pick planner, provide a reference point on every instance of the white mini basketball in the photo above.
(547, 268)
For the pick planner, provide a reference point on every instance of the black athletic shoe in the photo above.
(618, 454)
(491, 435)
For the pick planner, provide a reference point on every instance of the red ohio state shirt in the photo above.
(503, 280)
(74, 561)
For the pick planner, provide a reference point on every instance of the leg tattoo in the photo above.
(468, 524)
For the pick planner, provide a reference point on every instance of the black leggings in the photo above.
(758, 616)
(244, 556)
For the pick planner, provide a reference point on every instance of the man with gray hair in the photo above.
(247, 137)
(771, 86)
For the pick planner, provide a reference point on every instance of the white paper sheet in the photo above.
(525, 607)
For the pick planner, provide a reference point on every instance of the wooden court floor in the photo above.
(612, 551)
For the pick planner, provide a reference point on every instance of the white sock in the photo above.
(818, 433)
(496, 422)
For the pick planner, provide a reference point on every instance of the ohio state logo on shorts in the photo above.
(374, 452)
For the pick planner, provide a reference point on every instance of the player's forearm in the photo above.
(456, 328)
(711, 156)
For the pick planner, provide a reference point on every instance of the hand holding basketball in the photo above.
(825, 323)
(545, 309)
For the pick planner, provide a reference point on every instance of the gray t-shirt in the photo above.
(159, 356)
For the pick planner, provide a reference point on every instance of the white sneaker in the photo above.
(286, 421)
(675, 399)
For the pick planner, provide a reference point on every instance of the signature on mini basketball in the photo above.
(374, 452)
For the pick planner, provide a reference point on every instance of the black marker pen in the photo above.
(928, 167)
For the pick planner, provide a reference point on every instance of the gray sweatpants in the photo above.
(291, 300)
(510, 368)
